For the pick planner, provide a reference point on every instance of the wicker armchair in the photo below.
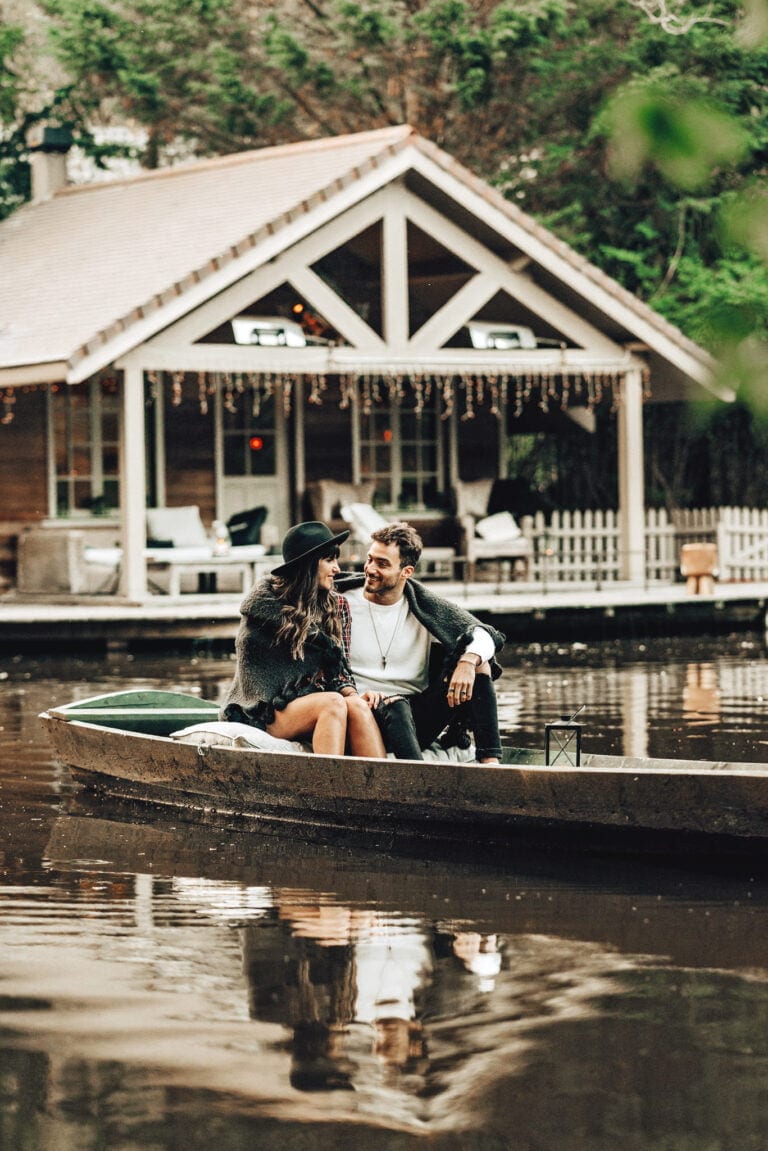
(486, 537)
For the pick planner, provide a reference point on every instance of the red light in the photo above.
(256, 443)
(387, 435)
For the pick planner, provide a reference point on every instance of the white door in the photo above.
(252, 467)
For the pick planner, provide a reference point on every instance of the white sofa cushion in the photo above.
(498, 528)
(182, 526)
(326, 497)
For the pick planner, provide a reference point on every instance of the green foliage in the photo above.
(684, 139)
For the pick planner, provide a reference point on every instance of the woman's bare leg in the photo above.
(322, 715)
(362, 729)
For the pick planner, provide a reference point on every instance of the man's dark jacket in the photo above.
(451, 626)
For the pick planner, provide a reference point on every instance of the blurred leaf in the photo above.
(744, 367)
(684, 140)
(752, 31)
(745, 222)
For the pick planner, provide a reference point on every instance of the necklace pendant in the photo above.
(383, 661)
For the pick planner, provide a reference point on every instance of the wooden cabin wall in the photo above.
(190, 457)
(23, 481)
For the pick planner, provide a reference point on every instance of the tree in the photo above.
(518, 91)
(636, 130)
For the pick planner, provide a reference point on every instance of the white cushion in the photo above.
(182, 526)
(327, 496)
(107, 557)
(437, 754)
(498, 528)
(473, 496)
(219, 733)
(364, 520)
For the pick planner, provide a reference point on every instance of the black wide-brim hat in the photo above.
(305, 541)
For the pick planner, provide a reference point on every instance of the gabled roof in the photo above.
(98, 268)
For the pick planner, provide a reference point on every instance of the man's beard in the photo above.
(382, 586)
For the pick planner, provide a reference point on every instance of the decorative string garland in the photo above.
(463, 392)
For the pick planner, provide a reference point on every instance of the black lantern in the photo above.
(562, 742)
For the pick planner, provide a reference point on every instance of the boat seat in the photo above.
(223, 733)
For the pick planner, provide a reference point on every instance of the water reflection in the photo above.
(399, 996)
(164, 985)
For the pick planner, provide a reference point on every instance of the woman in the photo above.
(292, 678)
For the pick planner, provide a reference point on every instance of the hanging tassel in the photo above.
(229, 395)
(9, 399)
(177, 386)
(287, 394)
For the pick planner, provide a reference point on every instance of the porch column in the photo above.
(299, 451)
(133, 487)
(631, 480)
(395, 278)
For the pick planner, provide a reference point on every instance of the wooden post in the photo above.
(631, 480)
(299, 451)
(395, 278)
(133, 490)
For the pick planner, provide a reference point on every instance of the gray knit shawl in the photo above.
(451, 626)
(267, 676)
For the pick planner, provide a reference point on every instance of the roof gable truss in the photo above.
(392, 207)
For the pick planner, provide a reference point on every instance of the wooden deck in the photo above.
(523, 611)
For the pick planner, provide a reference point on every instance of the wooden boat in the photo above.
(122, 745)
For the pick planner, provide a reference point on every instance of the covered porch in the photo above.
(417, 320)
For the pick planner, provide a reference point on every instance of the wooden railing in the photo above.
(585, 546)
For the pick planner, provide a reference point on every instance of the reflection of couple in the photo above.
(355, 670)
(360, 989)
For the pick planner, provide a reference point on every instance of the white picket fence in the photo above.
(585, 545)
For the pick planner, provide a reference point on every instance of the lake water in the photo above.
(169, 988)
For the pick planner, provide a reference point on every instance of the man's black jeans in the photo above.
(410, 723)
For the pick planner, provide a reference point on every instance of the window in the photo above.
(249, 440)
(400, 448)
(84, 430)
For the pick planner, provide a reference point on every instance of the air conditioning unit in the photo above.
(268, 332)
(500, 337)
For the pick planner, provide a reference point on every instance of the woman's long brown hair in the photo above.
(306, 606)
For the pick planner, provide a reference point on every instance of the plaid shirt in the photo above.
(346, 679)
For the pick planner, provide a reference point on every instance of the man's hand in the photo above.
(372, 698)
(461, 683)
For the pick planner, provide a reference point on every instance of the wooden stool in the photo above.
(698, 563)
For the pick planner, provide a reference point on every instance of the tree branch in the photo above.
(669, 17)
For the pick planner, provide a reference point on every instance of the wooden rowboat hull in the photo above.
(619, 803)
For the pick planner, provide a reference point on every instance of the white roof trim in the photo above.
(587, 286)
(297, 226)
(51, 373)
(235, 358)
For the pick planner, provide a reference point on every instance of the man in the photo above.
(396, 621)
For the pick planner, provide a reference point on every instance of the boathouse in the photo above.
(360, 310)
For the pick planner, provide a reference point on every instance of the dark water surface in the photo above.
(173, 987)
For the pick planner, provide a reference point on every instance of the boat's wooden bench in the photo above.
(139, 711)
(531, 755)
